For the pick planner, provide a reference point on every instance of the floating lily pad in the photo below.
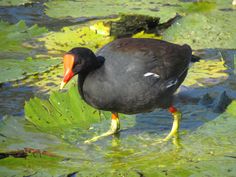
(54, 128)
(198, 7)
(70, 37)
(90, 8)
(13, 36)
(163, 9)
(12, 70)
(17, 134)
(211, 30)
(14, 2)
(215, 142)
(63, 111)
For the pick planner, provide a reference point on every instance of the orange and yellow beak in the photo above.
(68, 60)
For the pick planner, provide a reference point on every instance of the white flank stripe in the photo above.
(151, 74)
(171, 83)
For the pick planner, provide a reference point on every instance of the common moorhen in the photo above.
(129, 76)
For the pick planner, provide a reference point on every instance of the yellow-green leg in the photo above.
(175, 127)
(115, 127)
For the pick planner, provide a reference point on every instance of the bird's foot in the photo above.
(115, 127)
(175, 141)
(174, 131)
(174, 135)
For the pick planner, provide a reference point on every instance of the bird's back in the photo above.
(138, 75)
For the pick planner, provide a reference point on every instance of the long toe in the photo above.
(115, 127)
(108, 133)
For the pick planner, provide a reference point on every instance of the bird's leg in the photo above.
(115, 127)
(176, 116)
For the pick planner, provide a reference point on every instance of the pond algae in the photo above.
(14, 63)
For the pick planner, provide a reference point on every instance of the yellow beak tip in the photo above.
(62, 85)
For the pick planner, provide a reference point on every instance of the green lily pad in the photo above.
(164, 9)
(12, 70)
(70, 37)
(63, 111)
(12, 38)
(198, 7)
(17, 134)
(202, 152)
(211, 30)
(90, 8)
(14, 2)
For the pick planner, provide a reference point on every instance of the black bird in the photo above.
(129, 75)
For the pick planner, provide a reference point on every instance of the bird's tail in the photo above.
(187, 51)
(195, 58)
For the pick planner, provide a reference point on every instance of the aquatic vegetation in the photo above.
(231, 109)
(63, 111)
(14, 66)
(164, 9)
(130, 151)
(12, 38)
(69, 37)
(129, 24)
(142, 34)
(14, 2)
(90, 8)
(214, 30)
(206, 73)
(197, 7)
(12, 70)
(60, 124)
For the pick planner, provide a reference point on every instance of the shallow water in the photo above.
(207, 134)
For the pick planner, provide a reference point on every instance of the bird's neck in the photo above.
(82, 76)
(81, 79)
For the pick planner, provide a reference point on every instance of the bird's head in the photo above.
(77, 60)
